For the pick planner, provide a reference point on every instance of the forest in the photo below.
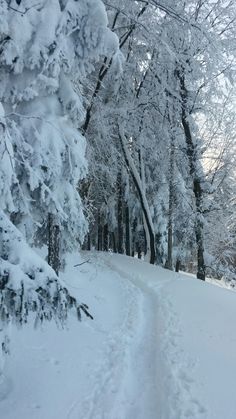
(117, 134)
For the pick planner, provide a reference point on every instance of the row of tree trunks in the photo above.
(119, 241)
(102, 238)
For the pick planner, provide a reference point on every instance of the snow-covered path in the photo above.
(94, 370)
(126, 381)
(161, 346)
(138, 395)
(172, 384)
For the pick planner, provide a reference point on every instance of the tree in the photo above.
(45, 111)
(42, 150)
(173, 77)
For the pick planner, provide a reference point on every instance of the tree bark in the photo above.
(105, 237)
(169, 261)
(99, 232)
(197, 190)
(177, 265)
(88, 242)
(120, 213)
(145, 227)
(134, 228)
(53, 243)
(114, 242)
(127, 231)
(197, 187)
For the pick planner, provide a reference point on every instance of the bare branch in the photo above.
(22, 12)
(80, 264)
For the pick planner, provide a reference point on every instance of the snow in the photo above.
(161, 345)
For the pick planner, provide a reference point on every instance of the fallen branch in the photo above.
(79, 264)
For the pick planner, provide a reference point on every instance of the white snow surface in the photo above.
(161, 346)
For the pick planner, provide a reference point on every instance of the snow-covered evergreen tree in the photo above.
(41, 68)
(46, 48)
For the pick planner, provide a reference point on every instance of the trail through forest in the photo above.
(149, 353)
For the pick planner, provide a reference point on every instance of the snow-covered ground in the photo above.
(161, 346)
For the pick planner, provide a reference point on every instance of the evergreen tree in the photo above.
(45, 51)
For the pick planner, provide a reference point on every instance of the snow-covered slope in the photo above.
(161, 346)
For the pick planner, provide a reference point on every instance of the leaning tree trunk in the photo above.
(141, 193)
(53, 243)
(196, 181)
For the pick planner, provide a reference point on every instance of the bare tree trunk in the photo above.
(120, 213)
(197, 188)
(127, 231)
(105, 237)
(114, 242)
(169, 262)
(88, 242)
(177, 265)
(53, 243)
(139, 250)
(201, 271)
(134, 228)
(145, 227)
(99, 232)
(86, 245)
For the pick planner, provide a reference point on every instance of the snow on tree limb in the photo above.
(141, 192)
(46, 48)
(28, 284)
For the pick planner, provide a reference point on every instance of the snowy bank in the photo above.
(161, 345)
